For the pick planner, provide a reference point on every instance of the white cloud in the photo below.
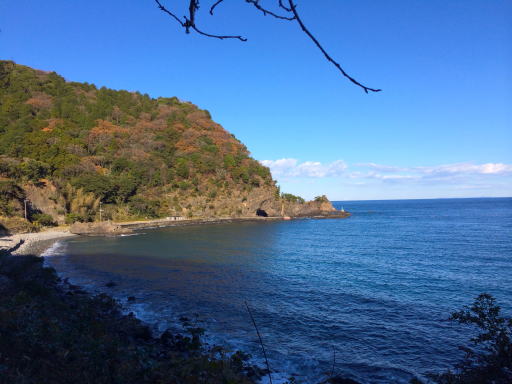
(377, 181)
(446, 173)
(467, 169)
(440, 172)
(446, 169)
(280, 167)
(314, 169)
(289, 168)
(380, 167)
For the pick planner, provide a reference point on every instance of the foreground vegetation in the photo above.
(54, 332)
(488, 359)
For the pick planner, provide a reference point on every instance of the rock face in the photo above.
(98, 229)
(46, 198)
(263, 201)
(322, 208)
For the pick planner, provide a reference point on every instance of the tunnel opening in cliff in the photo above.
(261, 212)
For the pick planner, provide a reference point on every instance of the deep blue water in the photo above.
(377, 287)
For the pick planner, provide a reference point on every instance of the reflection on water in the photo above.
(376, 286)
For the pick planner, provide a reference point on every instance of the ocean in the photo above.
(367, 296)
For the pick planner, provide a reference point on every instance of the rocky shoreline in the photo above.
(33, 243)
(53, 331)
(56, 332)
(36, 243)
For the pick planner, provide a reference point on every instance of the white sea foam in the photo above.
(131, 234)
(57, 249)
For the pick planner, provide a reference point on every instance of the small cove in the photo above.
(376, 287)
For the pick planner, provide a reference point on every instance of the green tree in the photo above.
(489, 358)
(99, 185)
(182, 168)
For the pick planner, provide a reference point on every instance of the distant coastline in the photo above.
(425, 198)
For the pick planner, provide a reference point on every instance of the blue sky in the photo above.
(442, 127)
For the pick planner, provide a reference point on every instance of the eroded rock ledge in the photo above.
(105, 228)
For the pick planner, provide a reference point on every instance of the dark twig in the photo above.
(190, 21)
(163, 9)
(261, 341)
(284, 6)
(217, 36)
(293, 8)
(215, 6)
(333, 360)
(266, 12)
(193, 6)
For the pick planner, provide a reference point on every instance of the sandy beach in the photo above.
(34, 243)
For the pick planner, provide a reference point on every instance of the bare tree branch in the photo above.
(163, 9)
(215, 6)
(192, 8)
(261, 341)
(267, 12)
(190, 21)
(293, 8)
(290, 9)
(221, 37)
(284, 7)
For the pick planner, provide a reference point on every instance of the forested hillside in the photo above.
(69, 146)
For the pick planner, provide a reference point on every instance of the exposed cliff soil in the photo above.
(46, 198)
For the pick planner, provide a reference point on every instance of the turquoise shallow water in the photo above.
(376, 288)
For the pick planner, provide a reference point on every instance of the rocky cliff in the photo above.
(76, 152)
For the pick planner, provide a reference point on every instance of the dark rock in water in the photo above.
(167, 337)
(139, 331)
(339, 380)
(131, 299)
(255, 372)
(184, 319)
(110, 284)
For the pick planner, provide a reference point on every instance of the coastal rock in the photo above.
(317, 208)
(339, 380)
(105, 228)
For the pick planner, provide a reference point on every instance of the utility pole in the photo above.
(101, 211)
(25, 201)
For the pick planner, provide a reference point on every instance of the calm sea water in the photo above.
(376, 288)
